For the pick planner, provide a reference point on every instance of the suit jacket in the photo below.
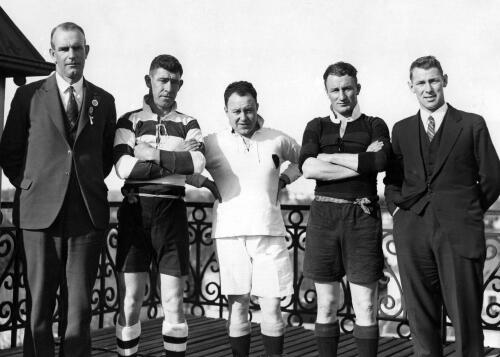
(464, 184)
(37, 158)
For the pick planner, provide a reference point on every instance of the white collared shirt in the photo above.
(336, 117)
(63, 86)
(438, 116)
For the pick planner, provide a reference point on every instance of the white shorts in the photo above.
(259, 265)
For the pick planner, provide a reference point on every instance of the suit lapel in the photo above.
(451, 130)
(53, 105)
(413, 138)
(83, 120)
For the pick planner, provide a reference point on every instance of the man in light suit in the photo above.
(444, 175)
(56, 149)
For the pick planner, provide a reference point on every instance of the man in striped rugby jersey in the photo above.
(155, 147)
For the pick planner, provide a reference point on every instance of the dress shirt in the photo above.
(63, 86)
(438, 116)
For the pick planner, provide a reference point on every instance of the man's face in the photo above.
(164, 86)
(69, 53)
(343, 93)
(428, 84)
(242, 114)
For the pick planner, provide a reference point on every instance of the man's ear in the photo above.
(445, 80)
(256, 107)
(225, 108)
(410, 85)
(147, 79)
(87, 49)
(358, 86)
(52, 53)
(181, 82)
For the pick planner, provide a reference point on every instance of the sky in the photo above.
(283, 48)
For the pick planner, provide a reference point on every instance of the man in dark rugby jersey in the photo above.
(343, 152)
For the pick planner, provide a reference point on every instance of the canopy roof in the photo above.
(18, 57)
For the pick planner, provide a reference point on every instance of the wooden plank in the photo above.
(208, 338)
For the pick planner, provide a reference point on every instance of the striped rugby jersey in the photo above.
(166, 134)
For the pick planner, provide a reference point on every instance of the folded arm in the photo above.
(314, 168)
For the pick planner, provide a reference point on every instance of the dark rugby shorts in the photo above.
(153, 229)
(341, 240)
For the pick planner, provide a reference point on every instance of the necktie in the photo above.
(430, 128)
(72, 109)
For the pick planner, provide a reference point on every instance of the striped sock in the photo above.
(127, 339)
(175, 339)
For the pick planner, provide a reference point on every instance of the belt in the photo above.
(132, 196)
(142, 194)
(363, 202)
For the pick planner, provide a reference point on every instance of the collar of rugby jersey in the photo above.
(146, 108)
(63, 86)
(336, 117)
(438, 116)
(260, 123)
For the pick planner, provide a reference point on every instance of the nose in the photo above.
(71, 52)
(168, 86)
(427, 87)
(342, 95)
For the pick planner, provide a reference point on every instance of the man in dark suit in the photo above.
(445, 173)
(56, 150)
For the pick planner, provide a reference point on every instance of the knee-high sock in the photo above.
(273, 336)
(366, 340)
(239, 338)
(127, 339)
(327, 338)
(175, 338)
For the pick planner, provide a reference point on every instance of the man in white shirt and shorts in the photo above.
(245, 164)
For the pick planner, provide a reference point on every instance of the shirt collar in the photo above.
(336, 117)
(260, 124)
(438, 114)
(146, 106)
(63, 85)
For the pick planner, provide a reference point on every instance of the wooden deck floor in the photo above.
(207, 338)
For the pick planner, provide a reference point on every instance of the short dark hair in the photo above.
(168, 62)
(426, 62)
(65, 26)
(340, 69)
(241, 88)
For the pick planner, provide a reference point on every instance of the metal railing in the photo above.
(202, 293)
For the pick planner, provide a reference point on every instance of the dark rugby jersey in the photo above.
(322, 136)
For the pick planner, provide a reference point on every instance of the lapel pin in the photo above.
(95, 103)
(91, 120)
(91, 110)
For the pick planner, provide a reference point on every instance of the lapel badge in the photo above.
(91, 120)
(95, 103)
